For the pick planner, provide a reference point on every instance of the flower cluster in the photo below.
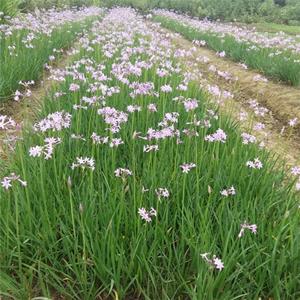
(83, 163)
(147, 215)
(256, 39)
(293, 122)
(218, 136)
(6, 182)
(295, 170)
(190, 104)
(187, 167)
(45, 150)
(248, 138)
(228, 192)
(97, 139)
(254, 164)
(252, 228)
(123, 173)
(162, 193)
(214, 261)
(113, 117)
(7, 123)
(55, 122)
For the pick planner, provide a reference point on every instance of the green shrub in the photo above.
(280, 11)
(29, 5)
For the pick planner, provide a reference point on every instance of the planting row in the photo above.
(275, 56)
(30, 41)
(131, 184)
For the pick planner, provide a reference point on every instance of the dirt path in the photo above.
(25, 111)
(282, 101)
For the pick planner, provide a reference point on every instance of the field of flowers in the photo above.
(29, 42)
(275, 55)
(131, 184)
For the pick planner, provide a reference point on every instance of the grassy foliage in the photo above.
(242, 10)
(24, 63)
(274, 28)
(280, 67)
(28, 5)
(9, 8)
(78, 231)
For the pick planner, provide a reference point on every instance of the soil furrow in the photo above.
(24, 111)
(282, 101)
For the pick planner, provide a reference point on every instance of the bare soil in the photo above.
(282, 101)
(24, 111)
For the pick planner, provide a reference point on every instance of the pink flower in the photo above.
(255, 164)
(295, 171)
(74, 87)
(248, 138)
(218, 263)
(166, 88)
(221, 54)
(7, 123)
(55, 122)
(97, 139)
(120, 172)
(18, 95)
(152, 107)
(147, 215)
(116, 142)
(243, 116)
(228, 192)
(83, 163)
(244, 226)
(144, 214)
(113, 117)
(218, 136)
(133, 108)
(214, 261)
(6, 181)
(182, 87)
(258, 126)
(190, 104)
(199, 43)
(161, 72)
(46, 150)
(162, 193)
(293, 122)
(186, 168)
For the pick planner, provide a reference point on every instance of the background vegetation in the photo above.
(32, 4)
(278, 11)
(11, 7)
(281, 11)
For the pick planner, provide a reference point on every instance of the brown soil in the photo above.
(25, 111)
(283, 101)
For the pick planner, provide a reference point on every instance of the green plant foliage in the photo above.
(26, 63)
(28, 5)
(9, 7)
(278, 67)
(243, 10)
